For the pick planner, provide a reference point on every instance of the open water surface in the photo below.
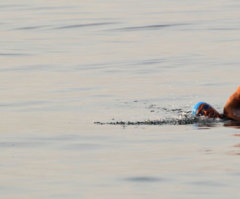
(71, 69)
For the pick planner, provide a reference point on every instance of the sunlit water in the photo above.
(71, 69)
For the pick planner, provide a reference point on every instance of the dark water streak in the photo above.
(85, 25)
(149, 27)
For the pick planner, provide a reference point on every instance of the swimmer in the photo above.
(231, 109)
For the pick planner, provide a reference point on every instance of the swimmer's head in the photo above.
(195, 110)
(204, 109)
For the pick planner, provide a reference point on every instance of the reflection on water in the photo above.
(65, 64)
(233, 124)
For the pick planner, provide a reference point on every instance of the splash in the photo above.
(149, 122)
(182, 120)
(175, 115)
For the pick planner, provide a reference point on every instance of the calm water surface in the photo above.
(67, 64)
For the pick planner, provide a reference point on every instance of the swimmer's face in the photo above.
(208, 111)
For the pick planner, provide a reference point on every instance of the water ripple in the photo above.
(144, 179)
(149, 27)
(9, 144)
(24, 103)
(84, 25)
(29, 68)
(14, 54)
(30, 27)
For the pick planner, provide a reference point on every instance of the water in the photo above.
(67, 66)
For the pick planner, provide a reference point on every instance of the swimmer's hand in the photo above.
(232, 106)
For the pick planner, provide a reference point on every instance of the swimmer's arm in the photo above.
(232, 106)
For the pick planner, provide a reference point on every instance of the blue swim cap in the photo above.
(196, 106)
